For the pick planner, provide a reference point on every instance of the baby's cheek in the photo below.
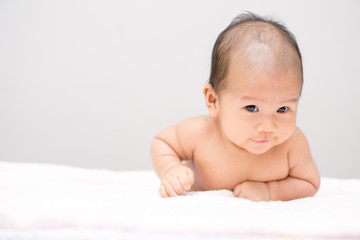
(237, 132)
(289, 131)
(286, 128)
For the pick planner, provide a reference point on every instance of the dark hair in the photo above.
(244, 29)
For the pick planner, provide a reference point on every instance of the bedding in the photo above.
(45, 201)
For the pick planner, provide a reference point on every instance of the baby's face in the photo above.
(257, 111)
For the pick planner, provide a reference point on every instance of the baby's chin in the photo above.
(257, 151)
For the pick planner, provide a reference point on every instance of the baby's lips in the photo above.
(265, 140)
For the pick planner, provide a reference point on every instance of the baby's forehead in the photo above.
(255, 82)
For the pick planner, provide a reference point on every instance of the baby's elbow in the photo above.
(317, 180)
(315, 185)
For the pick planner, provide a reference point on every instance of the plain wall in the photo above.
(89, 83)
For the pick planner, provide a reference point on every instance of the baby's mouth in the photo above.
(260, 140)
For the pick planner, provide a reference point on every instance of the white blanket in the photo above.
(38, 201)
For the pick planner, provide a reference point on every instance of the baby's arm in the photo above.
(168, 149)
(304, 179)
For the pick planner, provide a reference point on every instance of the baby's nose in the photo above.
(267, 124)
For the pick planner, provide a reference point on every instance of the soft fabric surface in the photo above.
(43, 198)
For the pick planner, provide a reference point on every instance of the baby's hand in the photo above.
(176, 181)
(255, 191)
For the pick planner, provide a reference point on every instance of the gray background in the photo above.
(89, 83)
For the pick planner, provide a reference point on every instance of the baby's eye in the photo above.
(282, 109)
(252, 108)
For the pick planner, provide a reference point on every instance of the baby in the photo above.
(249, 143)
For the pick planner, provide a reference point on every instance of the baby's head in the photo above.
(260, 43)
(255, 83)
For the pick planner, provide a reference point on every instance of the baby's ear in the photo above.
(211, 99)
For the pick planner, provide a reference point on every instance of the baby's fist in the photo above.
(176, 181)
(255, 191)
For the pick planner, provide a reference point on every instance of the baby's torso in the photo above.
(216, 166)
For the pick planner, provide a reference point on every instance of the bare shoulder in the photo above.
(196, 125)
(184, 136)
(193, 130)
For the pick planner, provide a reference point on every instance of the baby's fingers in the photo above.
(187, 180)
(237, 190)
(169, 189)
(163, 192)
